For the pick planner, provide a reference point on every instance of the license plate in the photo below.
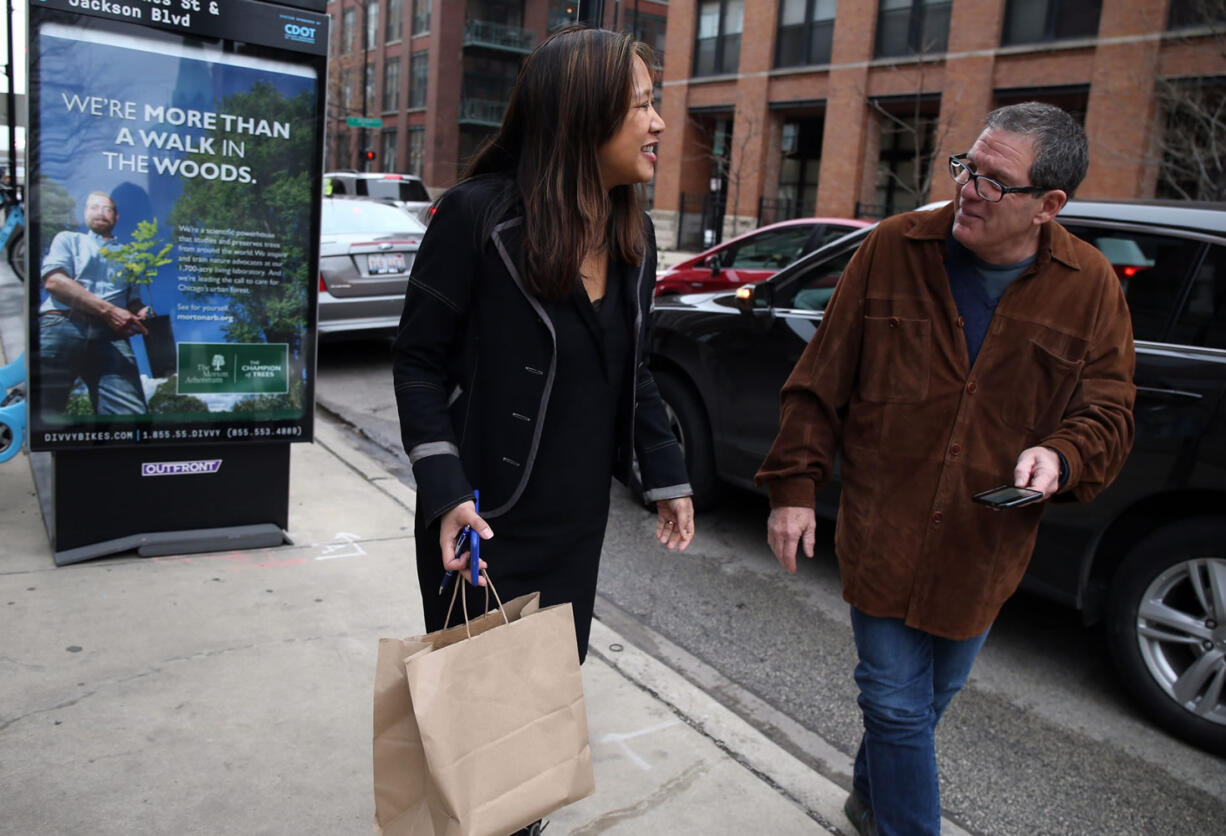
(380, 263)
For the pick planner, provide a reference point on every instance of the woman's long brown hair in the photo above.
(572, 95)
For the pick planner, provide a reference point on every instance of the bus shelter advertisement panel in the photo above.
(175, 225)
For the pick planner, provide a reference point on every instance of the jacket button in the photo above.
(938, 518)
(961, 322)
(955, 449)
(893, 322)
(972, 387)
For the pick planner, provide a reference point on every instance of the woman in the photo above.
(520, 362)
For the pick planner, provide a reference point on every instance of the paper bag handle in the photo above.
(462, 589)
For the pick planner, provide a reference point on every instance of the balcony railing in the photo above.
(497, 36)
(481, 112)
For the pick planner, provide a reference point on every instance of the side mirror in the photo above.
(713, 262)
(752, 297)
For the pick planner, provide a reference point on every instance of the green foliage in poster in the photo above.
(277, 202)
(138, 262)
(167, 401)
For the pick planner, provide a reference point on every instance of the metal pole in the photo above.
(11, 95)
(365, 80)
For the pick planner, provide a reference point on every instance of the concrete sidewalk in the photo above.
(230, 693)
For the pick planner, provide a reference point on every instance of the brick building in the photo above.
(779, 108)
(439, 74)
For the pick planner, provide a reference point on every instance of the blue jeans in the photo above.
(70, 349)
(907, 678)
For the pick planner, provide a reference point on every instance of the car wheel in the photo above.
(1166, 627)
(689, 424)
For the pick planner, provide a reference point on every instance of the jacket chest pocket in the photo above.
(895, 359)
(1040, 389)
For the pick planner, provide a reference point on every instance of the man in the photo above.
(965, 347)
(86, 320)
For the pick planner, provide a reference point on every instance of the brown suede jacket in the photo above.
(921, 430)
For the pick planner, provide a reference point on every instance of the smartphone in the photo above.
(1007, 496)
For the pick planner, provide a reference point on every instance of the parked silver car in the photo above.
(366, 251)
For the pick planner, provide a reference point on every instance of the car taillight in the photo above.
(322, 287)
(1127, 271)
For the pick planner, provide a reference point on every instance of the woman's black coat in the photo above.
(474, 364)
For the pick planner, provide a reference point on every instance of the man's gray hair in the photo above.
(1061, 152)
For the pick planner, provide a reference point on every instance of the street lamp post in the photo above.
(11, 97)
(365, 5)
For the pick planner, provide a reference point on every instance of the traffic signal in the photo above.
(368, 155)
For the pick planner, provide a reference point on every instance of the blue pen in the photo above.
(465, 533)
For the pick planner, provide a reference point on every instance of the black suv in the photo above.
(1148, 556)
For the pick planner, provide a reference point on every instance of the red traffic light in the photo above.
(368, 155)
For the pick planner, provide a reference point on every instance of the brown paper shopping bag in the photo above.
(480, 729)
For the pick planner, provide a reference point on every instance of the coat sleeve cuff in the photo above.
(797, 492)
(668, 492)
(441, 484)
(1070, 463)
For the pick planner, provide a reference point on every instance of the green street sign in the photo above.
(233, 368)
(364, 122)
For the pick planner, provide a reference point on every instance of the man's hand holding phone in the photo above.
(1035, 477)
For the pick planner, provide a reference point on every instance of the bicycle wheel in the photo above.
(17, 253)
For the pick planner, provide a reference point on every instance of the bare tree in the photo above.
(1193, 145)
(1191, 149)
(736, 164)
(729, 164)
(924, 134)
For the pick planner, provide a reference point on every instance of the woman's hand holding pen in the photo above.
(453, 523)
(675, 523)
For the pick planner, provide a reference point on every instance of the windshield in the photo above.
(343, 217)
(392, 188)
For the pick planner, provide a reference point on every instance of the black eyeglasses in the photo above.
(987, 188)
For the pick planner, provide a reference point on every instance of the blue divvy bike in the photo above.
(13, 233)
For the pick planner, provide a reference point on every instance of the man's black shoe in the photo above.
(860, 815)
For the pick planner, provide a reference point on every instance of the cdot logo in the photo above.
(297, 32)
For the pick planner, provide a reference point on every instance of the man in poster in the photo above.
(86, 320)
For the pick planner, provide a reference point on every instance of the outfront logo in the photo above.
(300, 33)
(180, 468)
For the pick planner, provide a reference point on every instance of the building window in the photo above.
(1193, 145)
(347, 90)
(717, 47)
(391, 84)
(649, 29)
(421, 16)
(1073, 99)
(806, 31)
(394, 28)
(1188, 13)
(912, 27)
(419, 68)
(801, 144)
(368, 97)
(389, 150)
(1039, 21)
(349, 30)
(904, 162)
(417, 151)
(372, 23)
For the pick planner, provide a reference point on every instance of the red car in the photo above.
(754, 256)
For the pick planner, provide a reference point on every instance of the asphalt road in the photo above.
(1041, 741)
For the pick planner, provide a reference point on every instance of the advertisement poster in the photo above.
(174, 228)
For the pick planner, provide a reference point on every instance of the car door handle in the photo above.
(1169, 394)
